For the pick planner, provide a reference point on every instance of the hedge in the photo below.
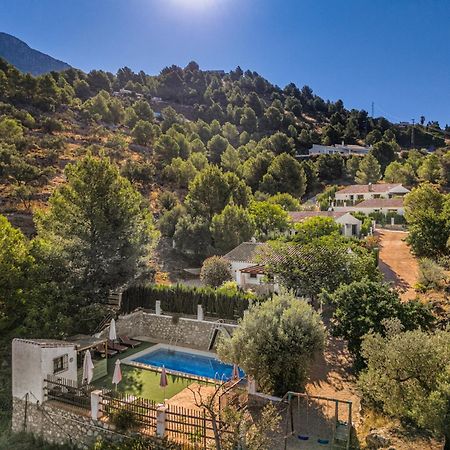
(180, 299)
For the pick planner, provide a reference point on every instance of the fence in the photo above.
(184, 300)
(68, 392)
(186, 429)
(129, 411)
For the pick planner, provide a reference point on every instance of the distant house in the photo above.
(354, 194)
(350, 226)
(383, 205)
(341, 149)
(247, 267)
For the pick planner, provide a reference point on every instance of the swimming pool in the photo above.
(181, 361)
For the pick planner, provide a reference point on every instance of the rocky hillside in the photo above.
(26, 59)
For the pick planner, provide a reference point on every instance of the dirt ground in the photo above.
(397, 263)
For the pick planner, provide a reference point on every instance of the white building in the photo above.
(342, 149)
(247, 268)
(350, 226)
(34, 359)
(351, 195)
(383, 205)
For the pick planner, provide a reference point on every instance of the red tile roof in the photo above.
(381, 203)
(366, 188)
(258, 270)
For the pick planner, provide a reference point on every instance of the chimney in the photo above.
(370, 187)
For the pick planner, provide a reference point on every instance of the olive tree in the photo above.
(275, 343)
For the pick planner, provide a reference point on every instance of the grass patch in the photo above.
(142, 382)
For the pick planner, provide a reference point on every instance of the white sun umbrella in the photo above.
(117, 375)
(88, 367)
(112, 330)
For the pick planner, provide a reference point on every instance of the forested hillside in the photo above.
(27, 59)
(209, 150)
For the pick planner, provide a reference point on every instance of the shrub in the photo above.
(215, 271)
(123, 419)
(431, 275)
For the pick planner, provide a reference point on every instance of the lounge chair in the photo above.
(117, 347)
(101, 349)
(125, 340)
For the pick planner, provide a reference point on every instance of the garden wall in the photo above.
(57, 425)
(167, 329)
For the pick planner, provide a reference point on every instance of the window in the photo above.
(60, 364)
(253, 275)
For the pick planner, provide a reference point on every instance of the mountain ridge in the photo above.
(27, 59)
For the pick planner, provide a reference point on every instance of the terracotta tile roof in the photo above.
(381, 203)
(258, 269)
(364, 188)
(298, 216)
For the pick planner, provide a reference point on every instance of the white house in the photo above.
(342, 149)
(34, 359)
(350, 226)
(383, 205)
(247, 267)
(351, 195)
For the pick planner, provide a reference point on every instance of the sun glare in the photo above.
(194, 4)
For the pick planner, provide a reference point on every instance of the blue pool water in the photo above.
(189, 363)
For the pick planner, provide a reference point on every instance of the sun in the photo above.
(195, 4)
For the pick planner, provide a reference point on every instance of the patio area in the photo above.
(145, 383)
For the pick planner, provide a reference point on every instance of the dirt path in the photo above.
(397, 263)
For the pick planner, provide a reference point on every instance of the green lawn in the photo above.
(141, 382)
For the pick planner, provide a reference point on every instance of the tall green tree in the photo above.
(231, 227)
(369, 170)
(285, 174)
(361, 307)
(15, 264)
(102, 226)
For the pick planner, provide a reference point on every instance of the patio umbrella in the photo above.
(112, 330)
(88, 367)
(163, 380)
(235, 372)
(117, 375)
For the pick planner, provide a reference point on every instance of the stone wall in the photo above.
(57, 425)
(167, 329)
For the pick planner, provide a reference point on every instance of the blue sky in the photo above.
(393, 52)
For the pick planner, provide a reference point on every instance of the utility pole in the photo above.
(412, 133)
(373, 109)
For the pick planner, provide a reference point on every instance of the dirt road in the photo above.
(397, 263)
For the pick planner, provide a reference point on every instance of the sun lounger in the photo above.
(100, 349)
(125, 340)
(117, 347)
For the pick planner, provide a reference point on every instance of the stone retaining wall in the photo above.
(176, 330)
(57, 425)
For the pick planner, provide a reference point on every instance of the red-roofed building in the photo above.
(356, 193)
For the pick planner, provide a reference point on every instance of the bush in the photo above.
(408, 376)
(215, 271)
(431, 275)
(123, 419)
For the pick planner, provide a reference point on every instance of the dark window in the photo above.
(60, 364)
(253, 275)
